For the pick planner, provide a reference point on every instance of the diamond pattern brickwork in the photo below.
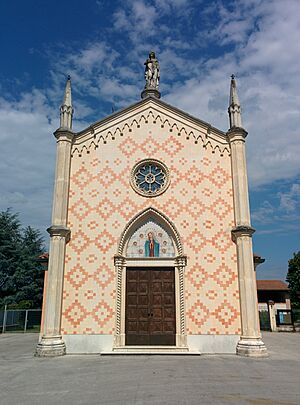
(198, 201)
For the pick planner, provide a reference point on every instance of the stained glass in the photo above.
(150, 178)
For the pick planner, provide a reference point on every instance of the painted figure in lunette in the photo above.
(151, 246)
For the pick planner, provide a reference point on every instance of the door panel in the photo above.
(150, 307)
(137, 292)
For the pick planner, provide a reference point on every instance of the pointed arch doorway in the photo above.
(150, 307)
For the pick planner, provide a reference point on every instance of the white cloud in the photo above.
(290, 200)
(138, 18)
(13, 197)
(282, 214)
(266, 61)
(199, 45)
(264, 214)
(27, 157)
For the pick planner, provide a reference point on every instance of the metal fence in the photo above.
(20, 320)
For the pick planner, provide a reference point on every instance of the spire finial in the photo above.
(234, 109)
(66, 109)
(152, 76)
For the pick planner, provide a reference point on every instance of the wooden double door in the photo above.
(150, 306)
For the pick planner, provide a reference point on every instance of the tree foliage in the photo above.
(21, 275)
(293, 278)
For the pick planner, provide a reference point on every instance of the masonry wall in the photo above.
(198, 201)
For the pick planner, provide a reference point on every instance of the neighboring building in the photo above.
(273, 290)
(274, 305)
(151, 241)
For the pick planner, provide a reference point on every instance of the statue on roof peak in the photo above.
(151, 72)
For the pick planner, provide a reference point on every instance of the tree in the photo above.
(21, 275)
(10, 238)
(293, 278)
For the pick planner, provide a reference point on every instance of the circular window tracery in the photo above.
(150, 177)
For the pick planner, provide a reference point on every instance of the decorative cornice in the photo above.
(120, 129)
(156, 102)
(242, 230)
(59, 230)
(64, 134)
(236, 132)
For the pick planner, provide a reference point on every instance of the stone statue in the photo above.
(151, 72)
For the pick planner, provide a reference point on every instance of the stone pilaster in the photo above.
(250, 343)
(51, 342)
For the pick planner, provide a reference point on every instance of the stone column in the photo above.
(120, 263)
(272, 315)
(250, 343)
(51, 342)
(180, 264)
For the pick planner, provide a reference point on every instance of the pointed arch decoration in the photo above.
(178, 262)
(140, 219)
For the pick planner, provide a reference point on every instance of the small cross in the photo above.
(232, 76)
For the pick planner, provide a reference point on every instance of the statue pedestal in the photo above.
(150, 93)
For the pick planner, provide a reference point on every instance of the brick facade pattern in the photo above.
(198, 201)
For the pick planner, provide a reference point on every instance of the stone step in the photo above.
(150, 350)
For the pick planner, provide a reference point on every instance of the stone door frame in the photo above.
(178, 262)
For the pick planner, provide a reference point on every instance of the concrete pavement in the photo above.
(145, 380)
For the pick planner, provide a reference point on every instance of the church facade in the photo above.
(151, 241)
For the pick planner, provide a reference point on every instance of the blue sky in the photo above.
(103, 44)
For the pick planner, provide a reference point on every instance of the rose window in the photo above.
(150, 177)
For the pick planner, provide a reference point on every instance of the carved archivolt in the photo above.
(112, 133)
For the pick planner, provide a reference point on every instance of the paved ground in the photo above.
(145, 380)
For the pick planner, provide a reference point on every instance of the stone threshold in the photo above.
(150, 350)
